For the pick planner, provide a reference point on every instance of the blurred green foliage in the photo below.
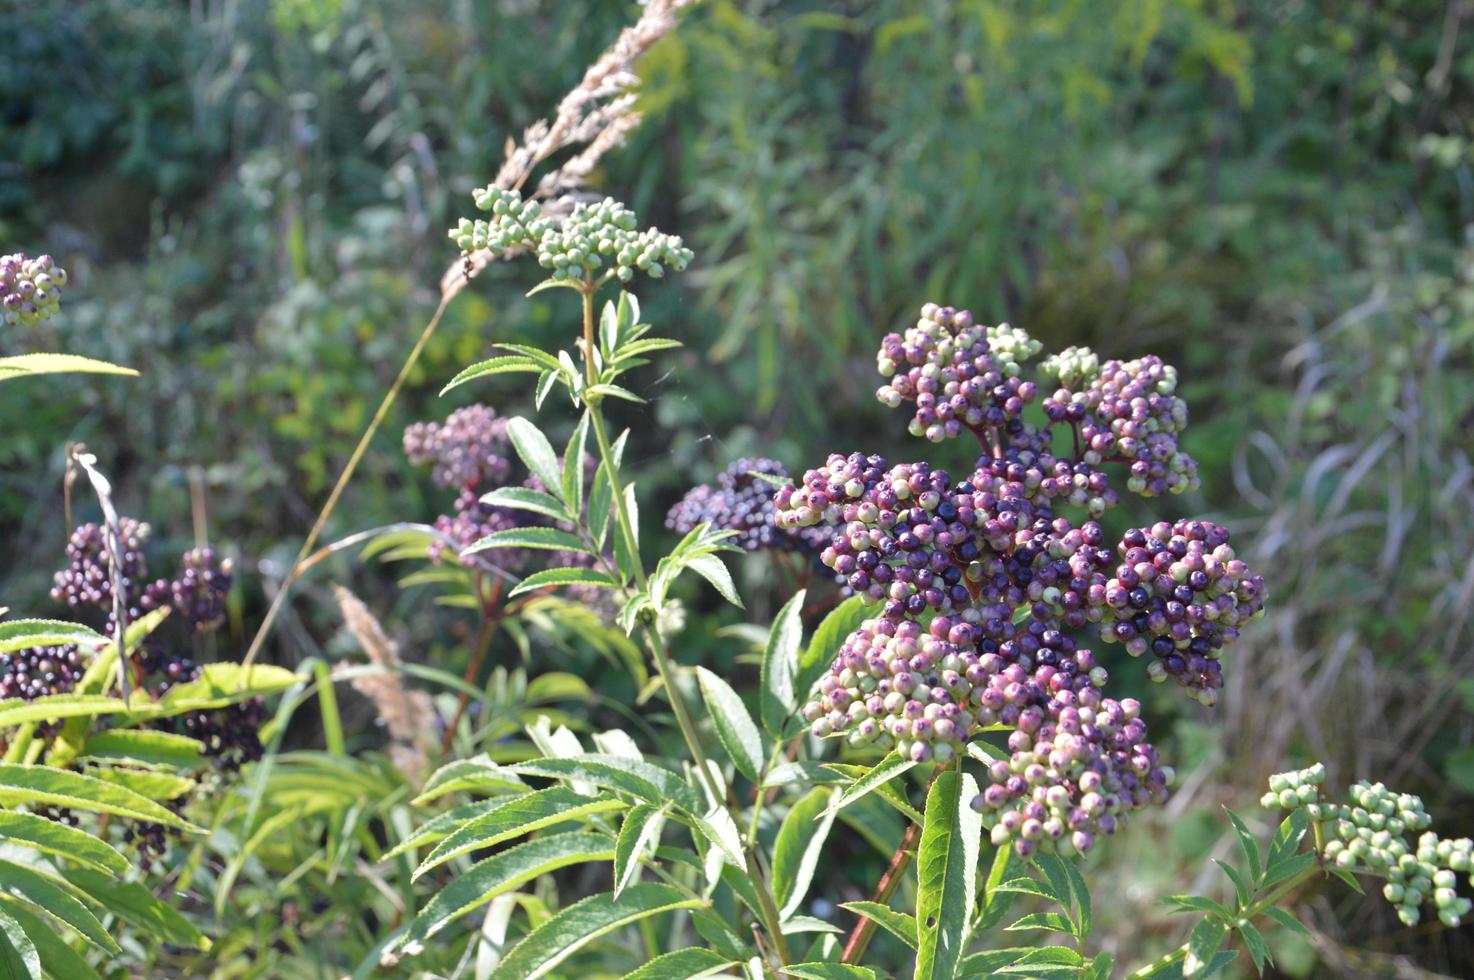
(1276, 196)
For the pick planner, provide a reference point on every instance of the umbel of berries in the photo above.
(988, 587)
(742, 501)
(30, 289)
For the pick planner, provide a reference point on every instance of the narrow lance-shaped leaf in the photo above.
(639, 834)
(516, 816)
(736, 730)
(947, 865)
(21, 634)
(777, 699)
(47, 894)
(42, 784)
(537, 453)
(62, 840)
(798, 848)
(583, 922)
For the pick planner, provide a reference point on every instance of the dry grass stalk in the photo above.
(598, 114)
(407, 715)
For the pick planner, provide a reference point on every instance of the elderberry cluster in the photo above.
(87, 579)
(466, 451)
(593, 236)
(980, 582)
(30, 289)
(1372, 833)
(742, 501)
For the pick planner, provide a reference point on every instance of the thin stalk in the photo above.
(490, 618)
(278, 601)
(655, 642)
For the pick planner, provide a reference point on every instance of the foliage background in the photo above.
(1275, 196)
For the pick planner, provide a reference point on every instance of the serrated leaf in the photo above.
(715, 571)
(735, 728)
(881, 773)
(515, 817)
(58, 787)
(536, 453)
(507, 364)
(18, 956)
(946, 869)
(528, 499)
(1248, 844)
(150, 785)
(500, 873)
(54, 707)
(778, 701)
(1197, 903)
(58, 959)
(1053, 921)
(1288, 920)
(1258, 948)
(691, 963)
(222, 684)
(23, 365)
(1240, 887)
(1202, 943)
(441, 825)
(829, 971)
(996, 903)
(798, 847)
(61, 840)
(478, 773)
(1288, 868)
(573, 466)
(20, 634)
(1080, 891)
(643, 780)
(147, 748)
(1286, 839)
(583, 922)
(546, 382)
(545, 538)
(902, 925)
(718, 828)
(135, 904)
(48, 895)
(638, 834)
(554, 577)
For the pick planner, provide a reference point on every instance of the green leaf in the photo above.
(1287, 839)
(506, 364)
(1287, 920)
(736, 730)
(1240, 886)
(828, 637)
(546, 382)
(1081, 892)
(1248, 844)
(15, 711)
(715, 571)
(553, 577)
(537, 453)
(58, 959)
(20, 634)
(135, 904)
(639, 834)
(777, 699)
(514, 817)
(829, 971)
(526, 498)
(147, 748)
(478, 773)
(642, 780)
(1053, 921)
(18, 956)
(1101, 967)
(615, 391)
(946, 866)
(583, 922)
(441, 825)
(222, 684)
(601, 499)
(902, 925)
(62, 840)
(1205, 939)
(58, 787)
(881, 773)
(22, 365)
(798, 847)
(1288, 868)
(1258, 948)
(996, 902)
(546, 538)
(1197, 903)
(683, 964)
(151, 785)
(49, 896)
(573, 466)
(500, 873)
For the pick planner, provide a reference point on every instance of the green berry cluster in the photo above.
(1372, 834)
(1012, 346)
(30, 289)
(1073, 367)
(601, 235)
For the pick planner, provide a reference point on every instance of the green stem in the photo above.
(20, 742)
(655, 643)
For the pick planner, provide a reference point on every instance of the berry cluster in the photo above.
(198, 595)
(981, 581)
(464, 453)
(742, 501)
(30, 289)
(1372, 832)
(151, 840)
(231, 735)
(87, 579)
(40, 671)
(465, 450)
(594, 236)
